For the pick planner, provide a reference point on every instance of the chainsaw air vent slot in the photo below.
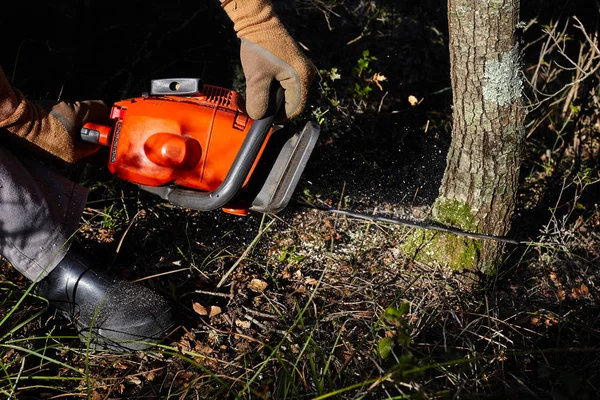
(218, 96)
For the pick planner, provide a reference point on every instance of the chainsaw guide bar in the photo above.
(409, 223)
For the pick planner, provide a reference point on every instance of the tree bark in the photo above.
(484, 157)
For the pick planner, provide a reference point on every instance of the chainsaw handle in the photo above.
(240, 168)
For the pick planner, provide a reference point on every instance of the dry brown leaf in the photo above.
(311, 281)
(199, 308)
(301, 289)
(258, 286)
(285, 274)
(242, 324)
(584, 290)
(413, 100)
(150, 375)
(561, 294)
(214, 310)
(550, 320)
(133, 380)
(377, 78)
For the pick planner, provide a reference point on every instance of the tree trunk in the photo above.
(485, 154)
(480, 182)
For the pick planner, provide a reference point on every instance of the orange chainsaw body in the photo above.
(187, 141)
(194, 146)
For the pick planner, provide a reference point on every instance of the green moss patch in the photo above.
(446, 249)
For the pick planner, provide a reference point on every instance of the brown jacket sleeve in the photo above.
(8, 100)
(52, 131)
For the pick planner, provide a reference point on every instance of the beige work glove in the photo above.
(268, 53)
(49, 126)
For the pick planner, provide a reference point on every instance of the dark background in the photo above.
(110, 50)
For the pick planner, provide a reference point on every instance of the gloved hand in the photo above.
(269, 53)
(52, 127)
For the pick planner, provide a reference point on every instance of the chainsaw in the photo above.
(196, 147)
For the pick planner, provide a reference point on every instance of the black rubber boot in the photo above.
(109, 312)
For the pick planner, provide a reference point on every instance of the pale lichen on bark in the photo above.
(503, 84)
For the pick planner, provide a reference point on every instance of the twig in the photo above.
(125, 234)
(245, 254)
(269, 329)
(161, 274)
(381, 102)
(226, 295)
(260, 314)
(593, 42)
(12, 392)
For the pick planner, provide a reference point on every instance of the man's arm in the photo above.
(8, 99)
(53, 128)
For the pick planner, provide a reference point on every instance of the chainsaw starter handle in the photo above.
(240, 168)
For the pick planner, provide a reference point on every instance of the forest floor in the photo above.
(306, 304)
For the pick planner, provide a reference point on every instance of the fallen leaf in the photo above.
(311, 281)
(199, 308)
(242, 324)
(133, 380)
(413, 100)
(377, 78)
(150, 375)
(258, 286)
(550, 320)
(214, 310)
(301, 289)
(285, 274)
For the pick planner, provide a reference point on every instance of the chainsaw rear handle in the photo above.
(240, 168)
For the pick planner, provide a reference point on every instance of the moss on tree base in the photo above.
(447, 249)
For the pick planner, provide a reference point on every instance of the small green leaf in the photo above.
(574, 109)
(282, 256)
(396, 315)
(385, 347)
